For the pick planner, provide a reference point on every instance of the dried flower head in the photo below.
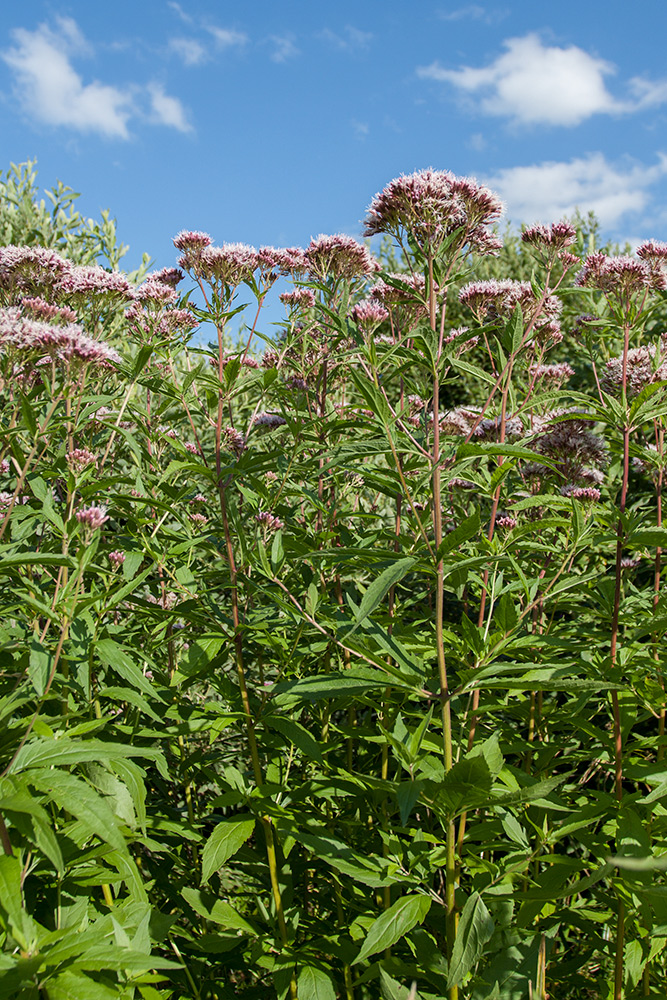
(235, 440)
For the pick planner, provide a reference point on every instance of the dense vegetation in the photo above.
(333, 667)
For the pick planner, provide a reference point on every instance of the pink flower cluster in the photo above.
(79, 458)
(92, 517)
(430, 205)
(63, 344)
(339, 256)
(116, 558)
(271, 420)
(269, 521)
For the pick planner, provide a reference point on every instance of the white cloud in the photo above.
(227, 37)
(546, 192)
(189, 50)
(350, 40)
(535, 83)
(50, 90)
(361, 129)
(284, 48)
(167, 110)
(178, 10)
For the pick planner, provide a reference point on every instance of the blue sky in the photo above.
(273, 122)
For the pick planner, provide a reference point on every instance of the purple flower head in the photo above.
(235, 440)
(199, 520)
(156, 291)
(271, 420)
(300, 298)
(4, 467)
(63, 344)
(230, 264)
(589, 493)
(553, 374)
(369, 313)
(39, 308)
(30, 267)
(268, 521)
(621, 275)
(339, 256)
(191, 447)
(506, 522)
(556, 237)
(429, 205)
(188, 241)
(642, 367)
(90, 279)
(92, 517)
(116, 558)
(79, 458)
(171, 276)
(284, 260)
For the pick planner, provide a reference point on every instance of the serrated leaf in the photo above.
(394, 924)
(226, 839)
(475, 928)
(314, 984)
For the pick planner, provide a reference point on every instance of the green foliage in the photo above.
(300, 697)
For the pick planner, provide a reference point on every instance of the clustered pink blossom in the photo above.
(506, 522)
(301, 298)
(157, 292)
(235, 440)
(30, 267)
(79, 458)
(622, 275)
(557, 236)
(171, 276)
(642, 367)
(39, 308)
(4, 466)
(246, 361)
(339, 256)
(116, 558)
(189, 241)
(61, 343)
(269, 521)
(198, 519)
(191, 447)
(400, 289)
(430, 205)
(369, 313)
(581, 492)
(198, 498)
(92, 517)
(558, 373)
(284, 260)
(270, 420)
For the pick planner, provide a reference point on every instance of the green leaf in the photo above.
(217, 911)
(226, 839)
(394, 924)
(392, 989)
(380, 587)
(475, 928)
(114, 656)
(296, 734)
(313, 984)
